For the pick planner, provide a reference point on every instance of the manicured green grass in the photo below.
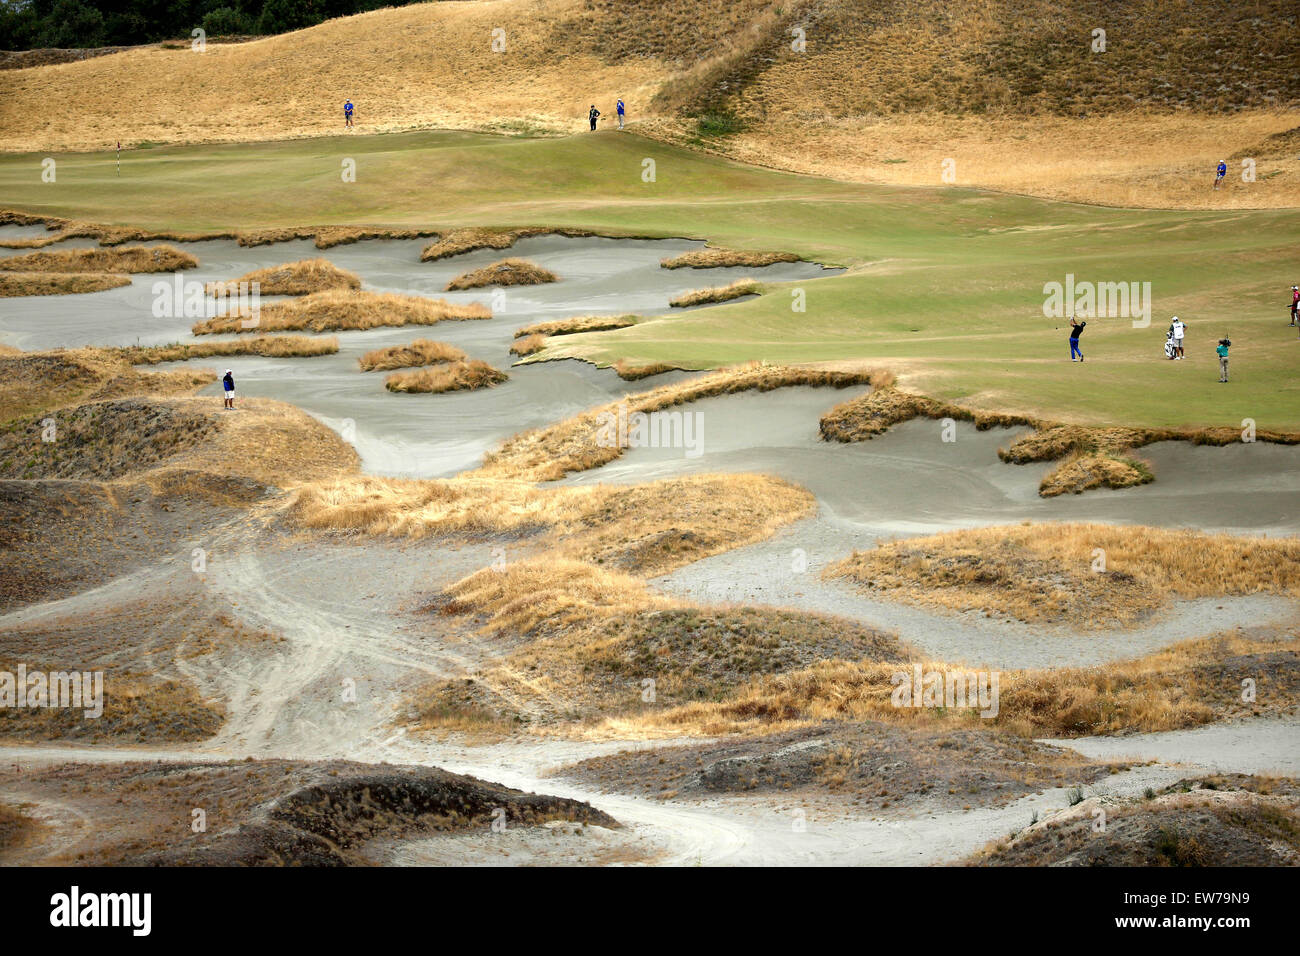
(944, 285)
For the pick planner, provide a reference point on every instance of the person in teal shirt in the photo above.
(1223, 359)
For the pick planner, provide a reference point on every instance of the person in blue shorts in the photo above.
(621, 111)
(1220, 173)
(347, 114)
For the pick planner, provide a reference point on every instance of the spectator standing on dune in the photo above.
(228, 386)
(593, 114)
(347, 114)
(621, 110)
(1076, 330)
(1220, 173)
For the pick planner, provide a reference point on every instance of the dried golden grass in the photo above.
(528, 345)
(268, 441)
(577, 444)
(418, 352)
(576, 324)
(504, 273)
(326, 237)
(640, 529)
(1084, 471)
(274, 346)
(714, 258)
(32, 382)
(455, 242)
(58, 283)
(138, 708)
(134, 424)
(724, 293)
(1044, 573)
(972, 82)
(1101, 456)
(633, 373)
(886, 405)
(161, 258)
(339, 311)
(562, 593)
(292, 278)
(1185, 685)
(453, 377)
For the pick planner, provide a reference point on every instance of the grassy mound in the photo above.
(1004, 86)
(1079, 473)
(161, 258)
(326, 237)
(102, 440)
(54, 283)
(880, 766)
(504, 273)
(453, 377)
(293, 278)
(455, 242)
(865, 417)
(273, 346)
(1053, 573)
(418, 352)
(724, 293)
(1101, 457)
(342, 311)
(528, 345)
(278, 812)
(644, 529)
(1184, 685)
(576, 324)
(109, 421)
(634, 373)
(592, 640)
(1222, 820)
(31, 382)
(713, 258)
(138, 708)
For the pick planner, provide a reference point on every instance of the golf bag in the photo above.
(1169, 343)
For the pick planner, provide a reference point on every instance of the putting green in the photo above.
(945, 285)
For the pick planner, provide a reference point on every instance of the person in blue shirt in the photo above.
(347, 113)
(228, 386)
(621, 110)
(1222, 350)
(1220, 173)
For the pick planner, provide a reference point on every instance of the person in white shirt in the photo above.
(1178, 327)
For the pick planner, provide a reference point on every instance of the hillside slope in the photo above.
(1012, 91)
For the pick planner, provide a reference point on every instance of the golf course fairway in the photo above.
(944, 286)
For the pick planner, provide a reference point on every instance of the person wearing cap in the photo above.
(1295, 302)
(228, 386)
(1220, 172)
(1178, 327)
